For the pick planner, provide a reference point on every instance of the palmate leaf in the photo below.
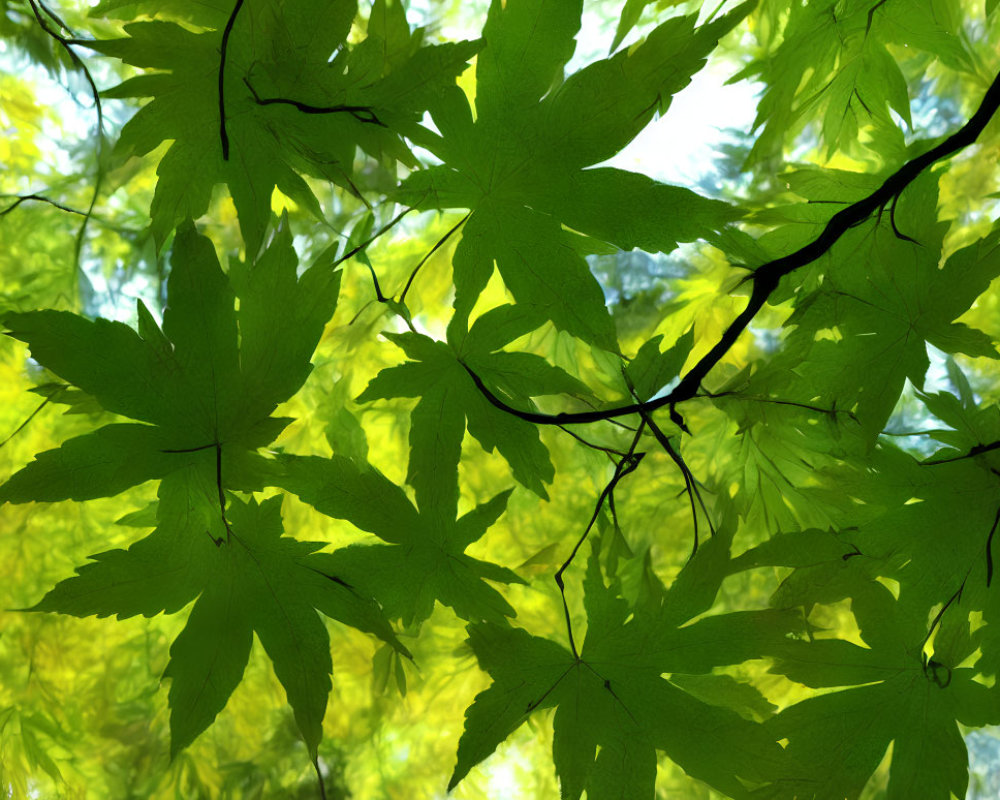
(614, 710)
(247, 579)
(861, 333)
(910, 682)
(424, 560)
(283, 116)
(205, 385)
(522, 165)
(832, 61)
(896, 694)
(450, 400)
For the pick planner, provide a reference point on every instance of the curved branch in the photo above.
(766, 277)
(361, 113)
(37, 6)
(38, 198)
(223, 50)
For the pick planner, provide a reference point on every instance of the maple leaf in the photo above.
(450, 400)
(897, 694)
(883, 298)
(260, 120)
(247, 579)
(614, 709)
(832, 60)
(974, 429)
(521, 164)
(202, 388)
(424, 559)
(652, 371)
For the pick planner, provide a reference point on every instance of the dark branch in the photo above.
(37, 6)
(622, 468)
(363, 114)
(38, 198)
(765, 278)
(223, 50)
(978, 450)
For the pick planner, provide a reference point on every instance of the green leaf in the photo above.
(527, 44)
(650, 371)
(247, 579)
(372, 98)
(613, 708)
(520, 165)
(209, 380)
(450, 400)
(99, 464)
(885, 307)
(425, 559)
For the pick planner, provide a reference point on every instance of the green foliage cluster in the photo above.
(730, 535)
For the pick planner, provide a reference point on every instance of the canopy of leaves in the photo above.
(724, 521)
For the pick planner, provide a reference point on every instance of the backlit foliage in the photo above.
(350, 378)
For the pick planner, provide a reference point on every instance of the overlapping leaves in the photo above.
(424, 558)
(248, 579)
(614, 708)
(202, 388)
(259, 119)
(832, 64)
(258, 96)
(521, 164)
(861, 332)
(890, 689)
(449, 400)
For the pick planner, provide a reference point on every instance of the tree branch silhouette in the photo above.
(223, 51)
(766, 277)
(37, 7)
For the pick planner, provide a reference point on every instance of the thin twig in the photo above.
(779, 402)
(690, 484)
(361, 113)
(388, 226)
(66, 44)
(23, 198)
(609, 450)
(622, 468)
(434, 249)
(978, 450)
(31, 416)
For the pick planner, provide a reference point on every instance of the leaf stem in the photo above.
(385, 228)
(31, 416)
(222, 494)
(67, 45)
(223, 50)
(434, 249)
(626, 465)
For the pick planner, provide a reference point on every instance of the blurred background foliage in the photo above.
(80, 712)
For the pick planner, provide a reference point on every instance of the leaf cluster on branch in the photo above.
(691, 541)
